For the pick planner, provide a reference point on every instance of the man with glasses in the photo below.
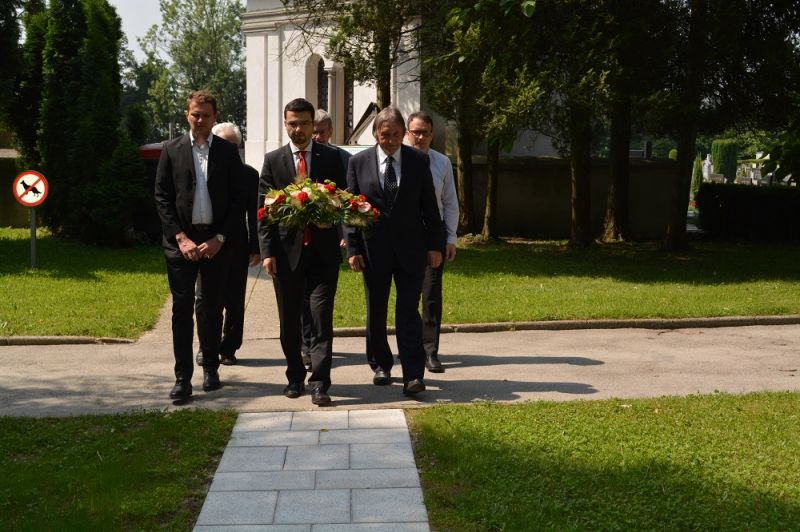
(420, 136)
(302, 260)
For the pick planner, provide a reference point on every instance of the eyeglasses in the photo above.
(420, 133)
(298, 124)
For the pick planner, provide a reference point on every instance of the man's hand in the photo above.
(434, 259)
(188, 247)
(270, 266)
(255, 258)
(209, 248)
(357, 263)
(450, 252)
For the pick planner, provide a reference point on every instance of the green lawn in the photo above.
(548, 281)
(83, 290)
(78, 289)
(139, 471)
(718, 462)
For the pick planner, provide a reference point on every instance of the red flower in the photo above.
(260, 213)
(353, 205)
(375, 214)
(302, 197)
(361, 198)
(330, 188)
(280, 199)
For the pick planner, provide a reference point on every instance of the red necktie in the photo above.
(301, 164)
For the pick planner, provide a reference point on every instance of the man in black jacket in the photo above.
(305, 259)
(199, 197)
(408, 235)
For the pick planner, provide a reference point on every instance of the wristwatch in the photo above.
(220, 238)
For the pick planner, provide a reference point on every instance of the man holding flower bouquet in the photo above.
(396, 179)
(301, 255)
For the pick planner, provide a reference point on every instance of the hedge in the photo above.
(723, 157)
(746, 212)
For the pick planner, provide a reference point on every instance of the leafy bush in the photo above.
(697, 176)
(744, 212)
(723, 157)
(673, 154)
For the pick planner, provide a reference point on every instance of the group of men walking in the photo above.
(207, 200)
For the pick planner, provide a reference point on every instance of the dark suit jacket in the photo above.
(278, 172)
(412, 226)
(249, 227)
(175, 186)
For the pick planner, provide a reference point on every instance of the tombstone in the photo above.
(707, 167)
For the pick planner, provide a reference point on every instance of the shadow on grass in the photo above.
(61, 258)
(707, 263)
(510, 490)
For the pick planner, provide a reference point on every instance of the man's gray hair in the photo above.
(323, 116)
(228, 126)
(389, 114)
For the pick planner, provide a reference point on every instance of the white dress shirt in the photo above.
(382, 156)
(202, 212)
(444, 184)
(296, 157)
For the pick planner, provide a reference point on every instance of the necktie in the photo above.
(302, 169)
(390, 180)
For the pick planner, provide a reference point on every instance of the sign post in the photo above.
(30, 190)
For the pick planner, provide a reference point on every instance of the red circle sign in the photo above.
(30, 188)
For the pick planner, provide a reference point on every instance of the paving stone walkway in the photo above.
(317, 471)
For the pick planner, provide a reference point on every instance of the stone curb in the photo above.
(554, 325)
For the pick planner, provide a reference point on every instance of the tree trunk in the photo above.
(580, 132)
(492, 174)
(688, 111)
(464, 180)
(616, 226)
(383, 69)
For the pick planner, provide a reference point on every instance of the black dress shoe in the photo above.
(228, 360)
(211, 380)
(181, 391)
(293, 390)
(381, 378)
(199, 359)
(413, 386)
(320, 398)
(433, 364)
(307, 362)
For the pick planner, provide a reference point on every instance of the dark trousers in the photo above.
(208, 278)
(319, 280)
(432, 308)
(235, 293)
(408, 324)
(306, 324)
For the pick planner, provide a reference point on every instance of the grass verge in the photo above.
(78, 289)
(139, 471)
(718, 462)
(548, 281)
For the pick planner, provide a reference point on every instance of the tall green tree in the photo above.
(61, 87)
(199, 44)
(9, 50)
(24, 113)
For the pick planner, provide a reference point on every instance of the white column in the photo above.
(255, 62)
(274, 94)
(329, 70)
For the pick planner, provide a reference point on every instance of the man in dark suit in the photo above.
(245, 253)
(301, 260)
(199, 198)
(397, 180)
(323, 131)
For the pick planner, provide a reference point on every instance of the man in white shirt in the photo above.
(419, 135)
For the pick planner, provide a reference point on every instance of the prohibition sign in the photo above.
(30, 188)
